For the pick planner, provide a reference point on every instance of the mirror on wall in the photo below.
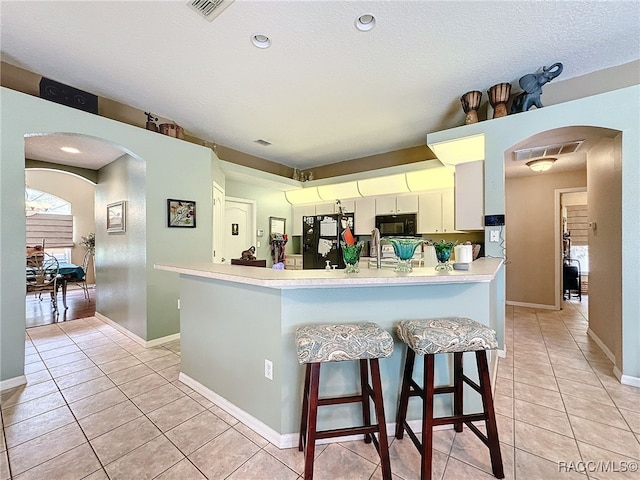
(277, 225)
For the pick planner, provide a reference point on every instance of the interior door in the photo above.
(239, 227)
(218, 223)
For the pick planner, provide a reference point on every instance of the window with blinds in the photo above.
(577, 224)
(56, 231)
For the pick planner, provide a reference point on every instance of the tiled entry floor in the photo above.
(98, 405)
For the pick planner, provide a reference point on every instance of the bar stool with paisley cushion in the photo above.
(364, 342)
(447, 335)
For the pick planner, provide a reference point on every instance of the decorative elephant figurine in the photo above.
(532, 85)
(249, 254)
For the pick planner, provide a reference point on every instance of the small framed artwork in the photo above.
(181, 213)
(117, 217)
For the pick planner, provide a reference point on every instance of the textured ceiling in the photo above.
(323, 92)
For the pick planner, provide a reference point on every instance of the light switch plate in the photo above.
(494, 236)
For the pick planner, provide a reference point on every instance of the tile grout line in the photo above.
(573, 433)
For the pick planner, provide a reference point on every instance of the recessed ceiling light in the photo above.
(261, 41)
(70, 149)
(365, 22)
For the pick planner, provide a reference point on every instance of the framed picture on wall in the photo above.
(277, 226)
(181, 213)
(117, 217)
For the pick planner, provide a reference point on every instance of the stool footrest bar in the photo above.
(341, 400)
(338, 432)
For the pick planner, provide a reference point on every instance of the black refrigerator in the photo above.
(321, 236)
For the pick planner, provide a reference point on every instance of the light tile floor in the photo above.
(97, 405)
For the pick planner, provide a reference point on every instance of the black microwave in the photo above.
(403, 224)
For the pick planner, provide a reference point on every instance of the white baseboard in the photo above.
(531, 305)
(12, 382)
(139, 340)
(249, 420)
(624, 379)
(287, 440)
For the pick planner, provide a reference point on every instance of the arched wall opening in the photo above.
(171, 169)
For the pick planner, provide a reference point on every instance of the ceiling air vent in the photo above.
(262, 142)
(549, 150)
(209, 9)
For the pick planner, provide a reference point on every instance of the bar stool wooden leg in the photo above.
(427, 417)
(364, 389)
(487, 404)
(383, 444)
(404, 393)
(310, 447)
(305, 409)
(458, 383)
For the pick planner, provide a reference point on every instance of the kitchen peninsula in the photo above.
(234, 319)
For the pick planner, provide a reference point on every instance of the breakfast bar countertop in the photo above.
(481, 270)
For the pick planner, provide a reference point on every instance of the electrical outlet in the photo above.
(268, 369)
(494, 236)
(258, 243)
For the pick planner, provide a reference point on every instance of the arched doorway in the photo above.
(534, 227)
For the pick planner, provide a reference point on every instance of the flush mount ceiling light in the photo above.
(70, 149)
(365, 22)
(542, 164)
(261, 41)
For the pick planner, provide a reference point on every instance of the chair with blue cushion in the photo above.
(447, 335)
(364, 342)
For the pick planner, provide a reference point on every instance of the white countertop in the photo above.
(482, 270)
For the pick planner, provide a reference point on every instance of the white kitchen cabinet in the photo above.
(392, 204)
(348, 206)
(436, 212)
(448, 211)
(430, 212)
(469, 196)
(293, 262)
(406, 203)
(365, 215)
(325, 208)
(297, 212)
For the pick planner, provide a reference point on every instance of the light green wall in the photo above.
(616, 110)
(173, 169)
(269, 203)
(241, 325)
(121, 292)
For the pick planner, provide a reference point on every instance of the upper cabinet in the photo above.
(469, 196)
(436, 212)
(392, 204)
(325, 208)
(297, 212)
(365, 215)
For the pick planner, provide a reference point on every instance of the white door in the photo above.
(239, 227)
(218, 223)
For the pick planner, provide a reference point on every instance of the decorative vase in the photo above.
(404, 248)
(470, 104)
(351, 256)
(498, 98)
(443, 254)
